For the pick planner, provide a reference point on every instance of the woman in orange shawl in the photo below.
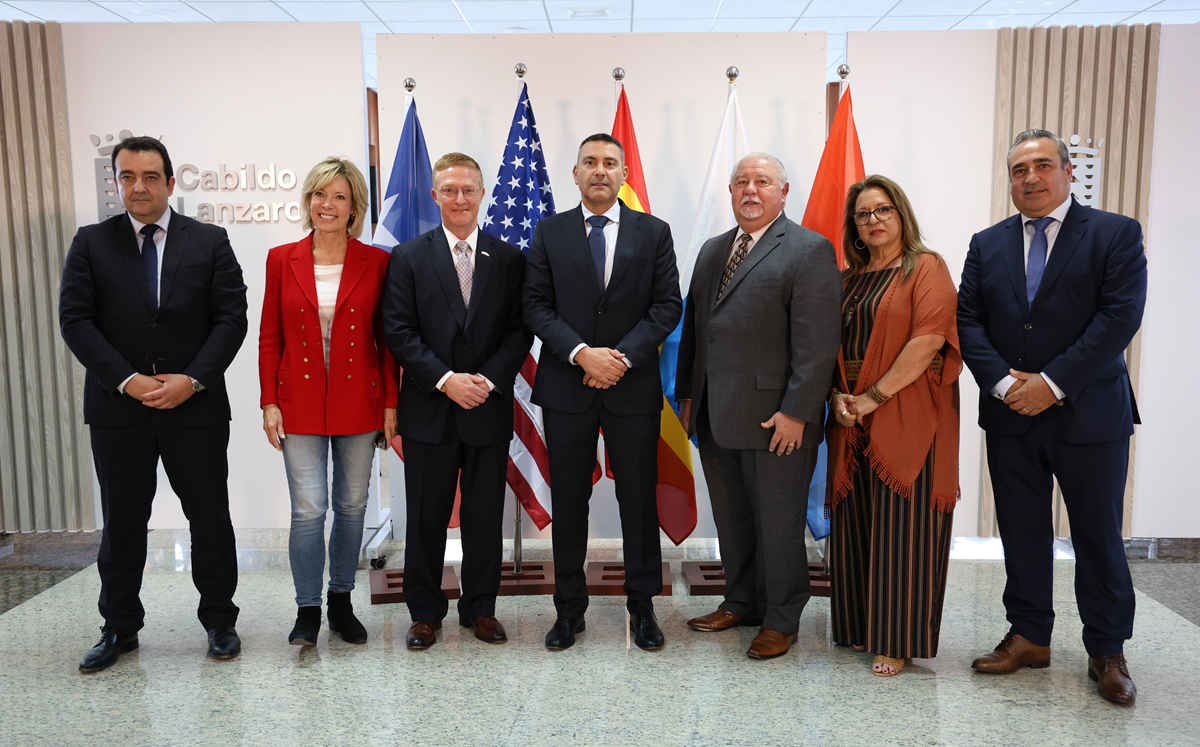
(892, 433)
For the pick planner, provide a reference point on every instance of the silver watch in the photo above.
(196, 385)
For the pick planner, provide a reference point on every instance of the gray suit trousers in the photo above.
(760, 504)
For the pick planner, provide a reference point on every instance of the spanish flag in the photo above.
(676, 482)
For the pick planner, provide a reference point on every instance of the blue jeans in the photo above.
(306, 458)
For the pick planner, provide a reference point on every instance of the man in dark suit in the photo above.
(757, 399)
(152, 303)
(602, 293)
(452, 318)
(1049, 300)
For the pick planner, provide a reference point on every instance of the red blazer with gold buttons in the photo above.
(362, 378)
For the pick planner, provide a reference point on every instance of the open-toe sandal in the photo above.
(897, 666)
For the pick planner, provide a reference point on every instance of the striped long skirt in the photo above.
(887, 559)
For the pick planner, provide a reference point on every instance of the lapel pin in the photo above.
(485, 254)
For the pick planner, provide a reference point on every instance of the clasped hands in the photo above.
(468, 391)
(162, 392)
(850, 411)
(603, 367)
(1029, 394)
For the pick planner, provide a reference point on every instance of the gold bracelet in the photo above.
(877, 395)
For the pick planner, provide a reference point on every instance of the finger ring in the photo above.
(1024, 409)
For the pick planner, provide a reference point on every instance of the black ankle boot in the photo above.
(308, 624)
(342, 620)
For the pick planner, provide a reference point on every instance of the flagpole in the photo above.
(519, 69)
(618, 75)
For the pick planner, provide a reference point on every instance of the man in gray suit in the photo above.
(756, 359)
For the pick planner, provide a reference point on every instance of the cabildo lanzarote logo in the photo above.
(229, 189)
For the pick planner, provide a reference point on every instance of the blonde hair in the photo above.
(456, 159)
(910, 232)
(321, 175)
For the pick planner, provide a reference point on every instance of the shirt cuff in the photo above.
(491, 386)
(121, 386)
(1001, 389)
(625, 360)
(571, 357)
(442, 381)
(1053, 387)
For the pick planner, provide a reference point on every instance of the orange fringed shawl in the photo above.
(902, 431)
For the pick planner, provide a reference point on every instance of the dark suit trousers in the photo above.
(1092, 478)
(760, 504)
(632, 443)
(196, 463)
(431, 474)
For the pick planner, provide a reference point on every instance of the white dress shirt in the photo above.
(160, 243)
(472, 241)
(754, 238)
(610, 246)
(1058, 214)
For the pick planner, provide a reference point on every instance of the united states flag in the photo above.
(520, 198)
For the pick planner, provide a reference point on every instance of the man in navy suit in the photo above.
(153, 305)
(1049, 300)
(602, 292)
(452, 317)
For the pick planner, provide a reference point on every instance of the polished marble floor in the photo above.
(700, 690)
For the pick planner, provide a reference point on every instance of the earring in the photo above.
(859, 245)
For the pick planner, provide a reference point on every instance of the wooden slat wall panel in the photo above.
(1099, 83)
(45, 474)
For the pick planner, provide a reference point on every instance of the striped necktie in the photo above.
(738, 255)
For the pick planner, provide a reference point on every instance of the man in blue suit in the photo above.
(1049, 300)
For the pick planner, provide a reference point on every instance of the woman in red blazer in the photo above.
(328, 382)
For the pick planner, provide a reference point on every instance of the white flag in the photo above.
(714, 215)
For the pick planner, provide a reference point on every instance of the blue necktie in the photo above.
(596, 242)
(150, 262)
(1037, 257)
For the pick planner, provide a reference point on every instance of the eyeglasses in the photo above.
(451, 193)
(881, 213)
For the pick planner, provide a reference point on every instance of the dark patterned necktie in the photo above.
(150, 261)
(596, 244)
(738, 255)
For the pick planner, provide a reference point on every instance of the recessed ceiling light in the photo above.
(589, 12)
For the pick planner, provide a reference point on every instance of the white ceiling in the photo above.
(614, 16)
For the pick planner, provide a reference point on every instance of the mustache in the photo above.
(750, 200)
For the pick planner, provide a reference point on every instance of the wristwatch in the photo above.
(196, 385)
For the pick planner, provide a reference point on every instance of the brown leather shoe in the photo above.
(421, 635)
(487, 629)
(1112, 675)
(770, 643)
(1013, 653)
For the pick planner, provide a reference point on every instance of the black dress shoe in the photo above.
(646, 633)
(562, 635)
(107, 650)
(223, 643)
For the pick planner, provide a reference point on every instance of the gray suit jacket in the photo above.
(770, 344)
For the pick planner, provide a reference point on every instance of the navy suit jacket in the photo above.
(640, 306)
(430, 332)
(1085, 313)
(108, 322)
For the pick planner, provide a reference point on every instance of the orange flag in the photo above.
(841, 166)
(676, 488)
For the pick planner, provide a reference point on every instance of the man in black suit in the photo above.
(153, 305)
(1049, 300)
(452, 317)
(602, 293)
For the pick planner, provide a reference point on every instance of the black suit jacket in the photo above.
(1086, 311)
(107, 320)
(640, 306)
(430, 332)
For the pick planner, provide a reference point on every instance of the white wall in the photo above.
(1164, 503)
(466, 94)
(924, 104)
(223, 94)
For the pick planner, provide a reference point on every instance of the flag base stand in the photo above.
(536, 577)
(606, 579)
(707, 578)
(387, 585)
